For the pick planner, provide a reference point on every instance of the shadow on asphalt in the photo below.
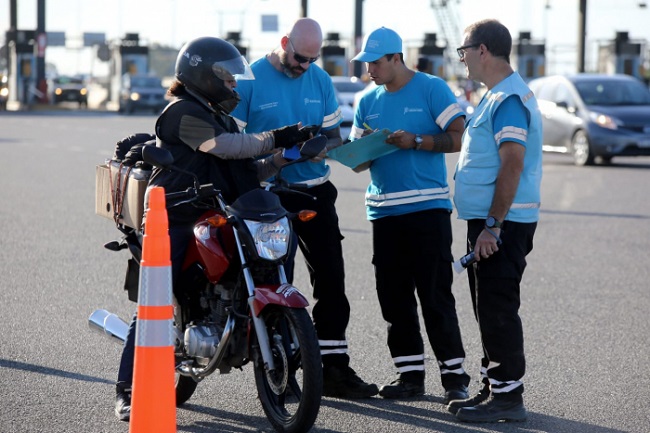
(439, 420)
(393, 411)
(16, 365)
(225, 421)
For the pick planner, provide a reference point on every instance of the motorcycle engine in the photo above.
(201, 340)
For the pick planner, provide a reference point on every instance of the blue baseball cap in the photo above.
(379, 43)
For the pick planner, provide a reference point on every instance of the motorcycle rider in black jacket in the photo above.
(197, 129)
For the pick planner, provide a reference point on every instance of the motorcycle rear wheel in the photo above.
(290, 394)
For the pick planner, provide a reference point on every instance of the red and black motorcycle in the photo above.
(242, 308)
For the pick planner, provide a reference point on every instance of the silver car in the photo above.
(594, 116)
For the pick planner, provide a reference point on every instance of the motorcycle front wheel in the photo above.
(185, 387)
(291, 393)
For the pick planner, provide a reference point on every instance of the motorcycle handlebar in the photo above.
(294, 188)
(192, 194)
(207, 190)
(188, 193)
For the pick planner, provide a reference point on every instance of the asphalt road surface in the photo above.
(585, 299)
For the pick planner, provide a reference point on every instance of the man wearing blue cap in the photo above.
(409, 207)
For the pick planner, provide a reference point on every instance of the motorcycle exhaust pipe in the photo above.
(108, 324)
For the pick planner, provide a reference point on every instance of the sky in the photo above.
(173, 22)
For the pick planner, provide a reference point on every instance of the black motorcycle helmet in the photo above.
(204, 64)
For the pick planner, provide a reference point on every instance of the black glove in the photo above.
(289, 136)
(135, 154)
(124, 145)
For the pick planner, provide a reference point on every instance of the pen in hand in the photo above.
(368, 130)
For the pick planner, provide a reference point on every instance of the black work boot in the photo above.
(123, 401)
(495, 409)
(457, 392)
(407, 385)
(343, 382)
(483, 395)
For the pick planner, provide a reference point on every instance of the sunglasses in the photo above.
(302, 59)
(461, 50)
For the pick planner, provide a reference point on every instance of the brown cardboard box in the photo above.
(132, 199)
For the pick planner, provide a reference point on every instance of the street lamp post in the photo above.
(582, 34)
(41, 41)
(358, 32)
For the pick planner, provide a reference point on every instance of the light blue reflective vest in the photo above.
(479, 162)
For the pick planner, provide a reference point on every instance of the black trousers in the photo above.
(494, 285)
(412, 254)
(179, 237)
(319, 241)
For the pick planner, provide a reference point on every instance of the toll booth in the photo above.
(22, 68)
(529, 57)
(333, 56)
(431, 56)
(235, 39)
(621, 56)
(126, 56)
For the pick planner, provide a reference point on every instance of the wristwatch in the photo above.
(418, 141)
(492, 223)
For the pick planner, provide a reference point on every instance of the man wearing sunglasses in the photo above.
(290, 87)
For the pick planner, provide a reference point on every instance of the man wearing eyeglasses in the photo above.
(408, 203)
(289, 86)
(498, 177)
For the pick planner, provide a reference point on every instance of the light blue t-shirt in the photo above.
(274, 100)
(409, 180)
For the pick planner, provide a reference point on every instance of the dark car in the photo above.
(142, 92)
(68, 89)
(4, 91)
(594, 116)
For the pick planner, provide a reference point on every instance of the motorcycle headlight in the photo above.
(271, 239)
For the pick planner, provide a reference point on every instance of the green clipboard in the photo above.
(362, 150)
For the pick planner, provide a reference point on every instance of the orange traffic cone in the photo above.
(153, 402)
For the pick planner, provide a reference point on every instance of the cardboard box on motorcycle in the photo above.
(121, 195)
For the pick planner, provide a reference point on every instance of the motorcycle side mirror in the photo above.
(312, 147)
(157, 156)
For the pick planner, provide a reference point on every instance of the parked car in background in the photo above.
(347, 112)
(142, 92)
(594, 116)
(467, 106)
(346, 88)
(64, 88)
(4, 91)
(357, 96)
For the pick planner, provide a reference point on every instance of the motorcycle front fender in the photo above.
(285, 295)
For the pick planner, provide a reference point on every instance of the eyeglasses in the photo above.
(461, 50)
(300, 58)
